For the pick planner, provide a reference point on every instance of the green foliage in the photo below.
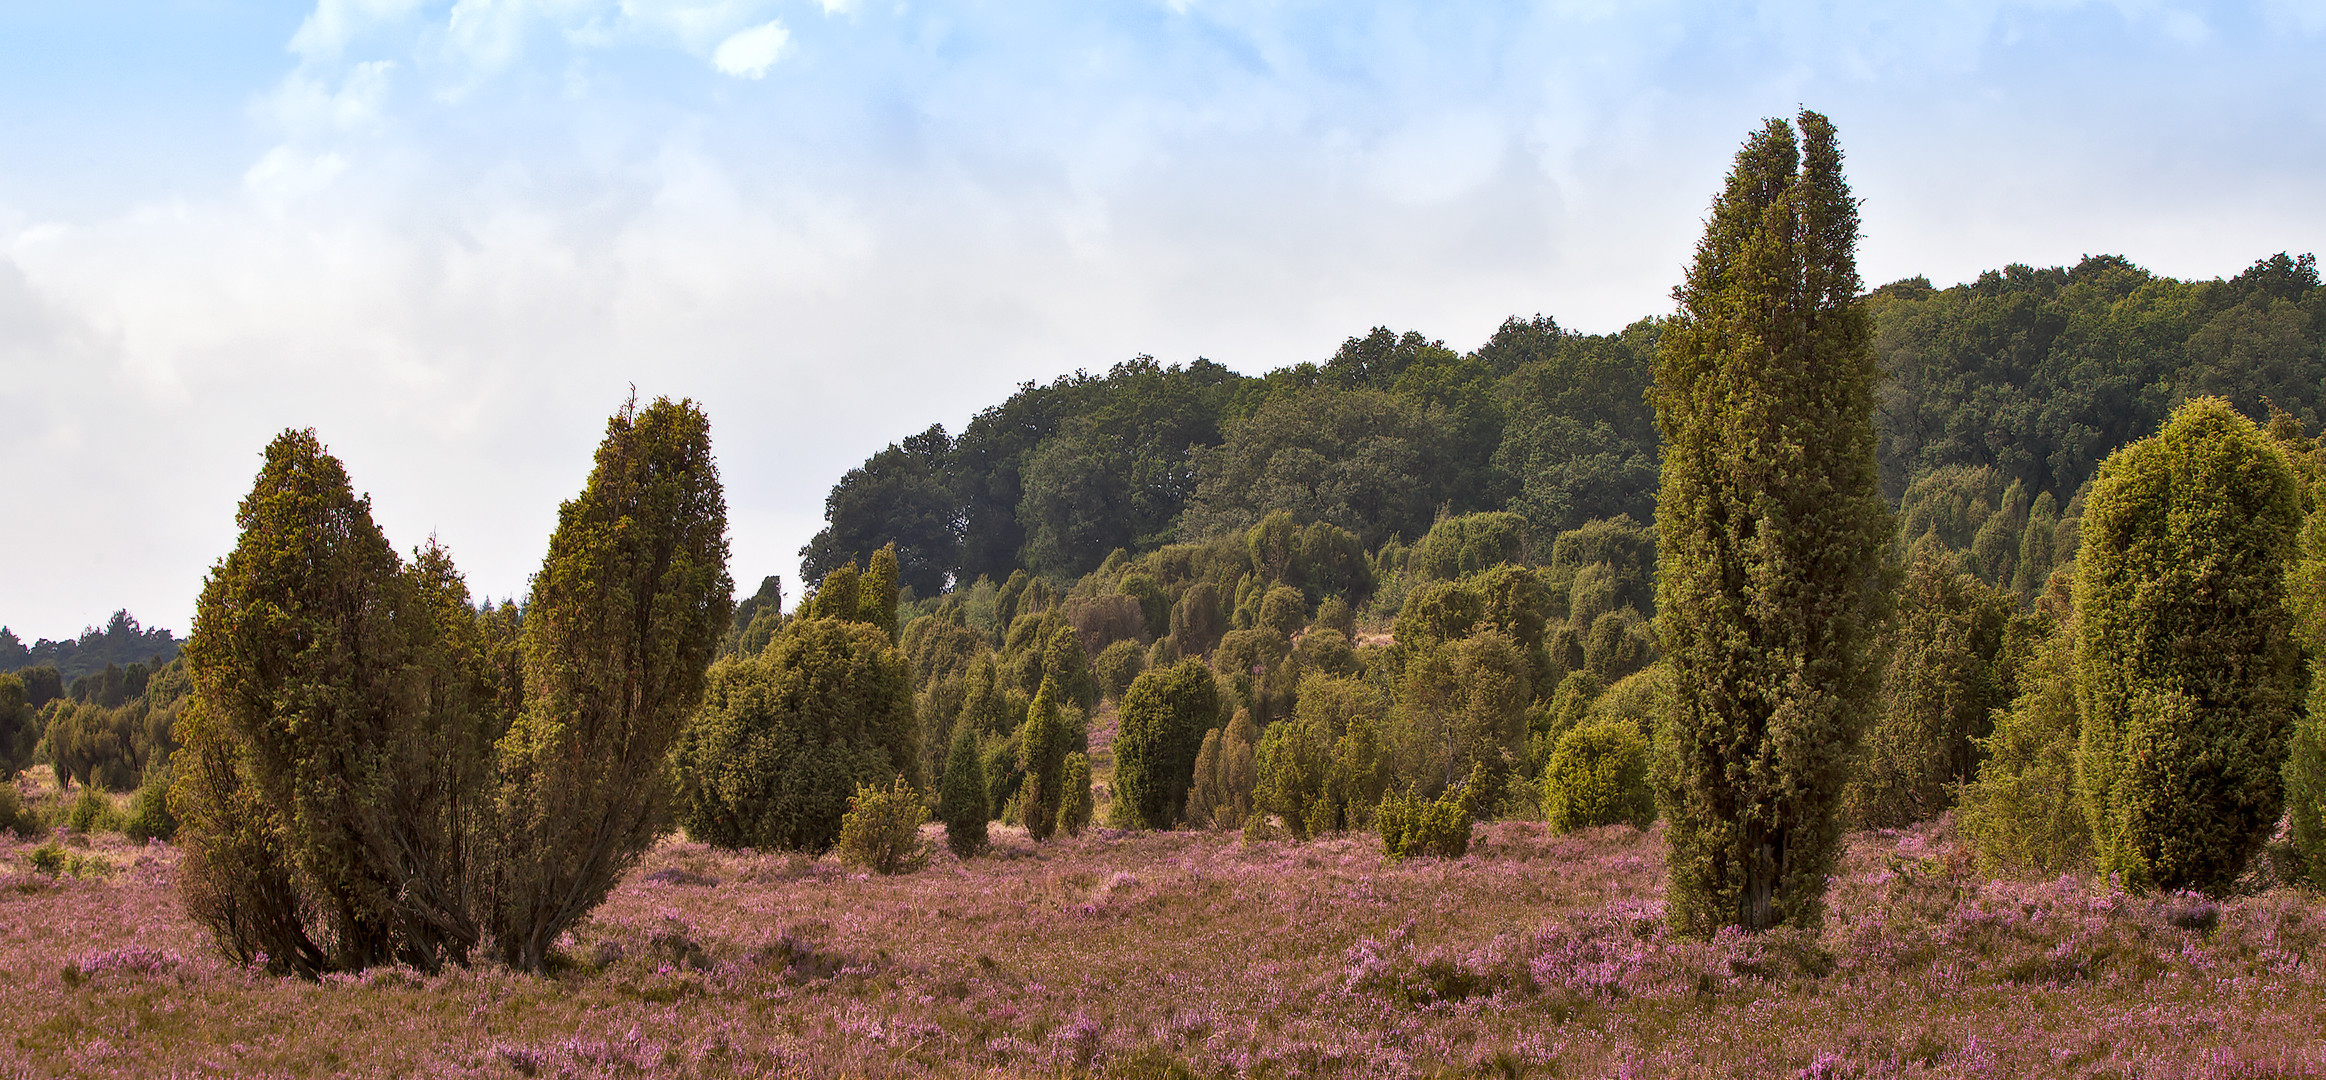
(1042, 750)
(881, 831)
(49, 858)
(93, 812)
(1947, 676)
(625, 615)
(14, 817)
(2187, 680)
(1372, 462)
(1771, 534)
(1197, 621)
(1253, 667)
(333, 785)
(2022, 813)
(1162, 719)
(900, 497)
(783, 739)
(1325, 768)
(1075, 809)
(2040, 372)
(1005, 773)
(1226, 774)
(1154, 603)
(1283, 610)
(961, 801)
(1117, 665)
(1463, 711)
(1598, 775)
(876, 592)
(1414, 828)
(149, 814)
(836, 597)
(19, 725)
(756, 618)
(49, 666)
(1578, 434)
(2305, 779)
(1067, 668)
(1464, 545)
(1319, 559)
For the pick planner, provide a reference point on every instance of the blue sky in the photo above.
(450, 236)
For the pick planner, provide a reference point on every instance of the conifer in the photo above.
(1771, 532)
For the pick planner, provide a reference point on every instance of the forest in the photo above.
(1902, 661)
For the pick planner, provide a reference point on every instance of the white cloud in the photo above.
(335, 23)
(749, 53)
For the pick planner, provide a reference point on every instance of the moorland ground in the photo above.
(1202, 954)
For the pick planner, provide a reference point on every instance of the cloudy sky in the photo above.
(449, 236)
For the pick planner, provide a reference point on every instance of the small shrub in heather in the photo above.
(13, 815)
(149, 815)
(1438, 828)
(1598, 775)
(93, 812)
(882, 829)
(49, 858)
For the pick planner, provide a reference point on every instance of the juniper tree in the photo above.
(1042, 754)
(2187, 677)
(961, 799)
(626, 613)
(1163, 718)
(1771, 533)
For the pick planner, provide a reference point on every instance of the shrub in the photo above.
(1225, 775)
(2186, 672)
(962, 801)
(1067, 667)
(49, 858)
(882, 829)
(1945, 680)
(1042, 754)
(13, 815)
(149, 815)
(1323, 768)
(1117, 665)
(782, 738)
(1075, 808)
(1458, 546)
(93, 812)
(1598, 775)
(2021, 813)
(1163, 717)
(1438, 828)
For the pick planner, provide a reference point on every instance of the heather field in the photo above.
(1188, 954)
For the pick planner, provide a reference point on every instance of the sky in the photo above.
(451, 237)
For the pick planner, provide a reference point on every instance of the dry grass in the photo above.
(1202, 955)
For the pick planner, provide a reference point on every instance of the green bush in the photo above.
(882, 829)
(149, 815)
(1163, 719)
(2022, 814)
(782, 738)
(49, 858)
(13, 816)
(1598, 775)
(1439, 828)
(2187, 674)
(1117, 665)
(962, 802)
(93, 812)
(1074, 812)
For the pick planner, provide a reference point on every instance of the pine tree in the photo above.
(1771, 533)
(961, 800)
(2187, 676)
(626, 613)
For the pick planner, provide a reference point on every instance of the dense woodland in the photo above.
(2044, 550)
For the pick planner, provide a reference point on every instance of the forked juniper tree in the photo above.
(1772, 534)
